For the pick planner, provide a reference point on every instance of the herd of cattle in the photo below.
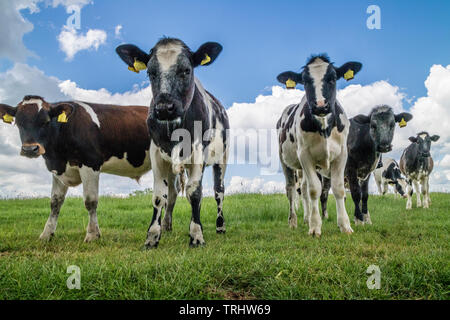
(319, 146)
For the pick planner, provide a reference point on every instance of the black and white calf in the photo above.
(181, 107)
(416, 164)
(369, 137)
(312, 138)
(78, 141)
(389, 174)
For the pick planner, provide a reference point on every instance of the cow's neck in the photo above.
(310, 123)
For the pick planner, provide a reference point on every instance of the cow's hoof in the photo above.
(220, 230)
(346, 229)
(46, 236)
(325, 215)
(194, 243)
(315, 232)
(149, 246)
(359, 222)
(92, 236)
(419, 205)
(293, 222)
(165, 226)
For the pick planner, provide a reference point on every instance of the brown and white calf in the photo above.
(181, 109)
(417, 164)
(78, 141)
(312, 139)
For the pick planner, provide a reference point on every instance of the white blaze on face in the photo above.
(317, 71)
(37, 102)
(167, 56)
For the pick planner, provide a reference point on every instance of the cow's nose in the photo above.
(164, 111)
(321, 103)
(30, 149)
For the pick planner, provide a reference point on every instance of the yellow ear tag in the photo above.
(206, 60)
(133, 69)
(62, 117)
(8, 118)
(138, 65)
(290, 84)
(349, 75)
(402, 123)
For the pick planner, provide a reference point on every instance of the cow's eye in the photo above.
(186, 72)
(373, 125)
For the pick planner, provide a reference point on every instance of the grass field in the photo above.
(258, 258)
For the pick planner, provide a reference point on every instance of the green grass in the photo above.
(259, 256)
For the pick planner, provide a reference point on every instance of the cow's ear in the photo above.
(7, 113)
(61, 112)
(413, 139)
(362, 118)
(135, 58)
(206, 54)
(434, 138)
(290, 79)
(403, 118)
(348, 70)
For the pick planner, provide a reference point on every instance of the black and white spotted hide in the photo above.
(181, 104)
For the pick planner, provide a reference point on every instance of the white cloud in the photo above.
(14, 26)
(137, 96)
(254, 185)
(70, 42)
(117, 31)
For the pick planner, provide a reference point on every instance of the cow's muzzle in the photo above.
(32, 150)
(321, 111)
(383, 148)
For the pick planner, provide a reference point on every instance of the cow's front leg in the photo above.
(219, 192)
(90, 179)
(365, 198)
(338, 187)
(355, 190)
(59, 191)
(314, 191)
(425, 193)
(161, 170)
(417, 188)
(173, 186)
(409, 193)
(194, 196)
(305, 200)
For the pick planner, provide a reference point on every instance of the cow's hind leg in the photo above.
(59, 191)
(219, 192)
(364, 200)
(326, 185)
(291, 194)
(90, 180)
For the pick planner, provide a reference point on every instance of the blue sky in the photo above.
(260, 39)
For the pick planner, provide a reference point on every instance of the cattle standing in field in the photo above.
(181, 104)
(389, 174)
(416, 164)
(312, 138)
(369, 137)
(78, 141)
